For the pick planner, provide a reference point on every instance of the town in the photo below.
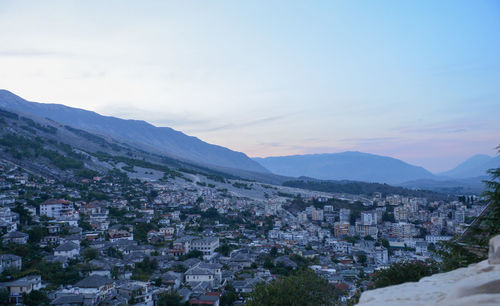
(141, 236)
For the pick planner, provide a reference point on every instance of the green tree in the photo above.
(472, 246)
(36, 298)
(229, 296)
(224, 249)
(4, 296)
(169, 299)
(24, 214)
(304, 288)
(362, 259)
(141, 231)
(403, 272)
(90, 254)
(37, 233)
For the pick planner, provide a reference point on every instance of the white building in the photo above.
(56, 208)
(206, 245)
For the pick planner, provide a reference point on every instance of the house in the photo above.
(9, 219)
(206, 245)
(247, 285)
(49, 240)
(285, 261)
(209, 298)
(94, 288)
(196, 275)
(68, 249)
(6, 227)
(167, 231)
(241, 260)
(181, 246)
(22, 286)
(10, 262)
(68, 300)
(204, 272)
(115, 235)
(171, 279)
(140, 292)
(15, 237)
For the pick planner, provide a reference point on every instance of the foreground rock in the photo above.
(478, 284)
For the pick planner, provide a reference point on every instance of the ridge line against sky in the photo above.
(414, 80)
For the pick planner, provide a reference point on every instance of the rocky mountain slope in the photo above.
(162, 140)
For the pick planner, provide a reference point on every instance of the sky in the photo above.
(415, 80)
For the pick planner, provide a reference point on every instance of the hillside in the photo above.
(162, 140)
(355, 166)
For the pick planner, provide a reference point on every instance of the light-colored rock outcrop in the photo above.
(478, 284)
(494, 254)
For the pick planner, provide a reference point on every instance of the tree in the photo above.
(141, 231)
(90, 254)
(4, 296)
(144, 269)
(224, 249)
(403, 272)
(169, 299)
(472, 246)
(36, 298)
(24, 214)
(362, 259)
(273, 252)
(304, 288)
(388, 217)
(37, 233)
(229, 296)
(193, 254)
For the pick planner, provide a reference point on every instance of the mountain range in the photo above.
(475, 166)
(163, 140)
(356, 166)
(167, 142)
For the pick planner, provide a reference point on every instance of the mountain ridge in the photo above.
(350, 165)
(165, 139)
(474, 166)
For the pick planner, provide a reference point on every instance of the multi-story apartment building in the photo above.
(56, 208)
(206, 245)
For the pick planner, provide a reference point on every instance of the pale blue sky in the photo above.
(416, 80)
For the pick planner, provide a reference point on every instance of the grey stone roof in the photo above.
(94, 281)
(68, 246)
(68, 299)
(199, 271)
(9, 257)
(15, 234)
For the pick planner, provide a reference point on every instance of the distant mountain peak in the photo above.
(475, 166)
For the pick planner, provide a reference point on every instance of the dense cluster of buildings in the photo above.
(134, 241)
